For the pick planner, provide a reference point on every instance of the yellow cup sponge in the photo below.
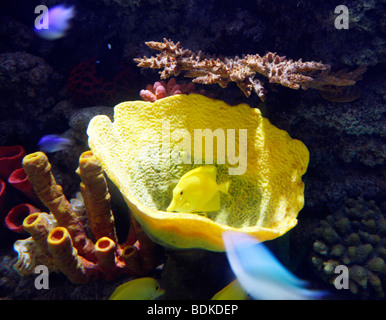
(150, 146)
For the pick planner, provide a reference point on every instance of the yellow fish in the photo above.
(232, 291)
(139, 289)
(198, 191)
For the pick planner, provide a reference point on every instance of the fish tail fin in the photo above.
(224, 187)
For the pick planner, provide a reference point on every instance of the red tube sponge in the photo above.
(2, 195)
(10, 159)
(19, 180)
(15, 217)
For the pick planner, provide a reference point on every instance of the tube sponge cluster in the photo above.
(63, 241)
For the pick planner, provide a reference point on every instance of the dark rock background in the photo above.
(346, 140)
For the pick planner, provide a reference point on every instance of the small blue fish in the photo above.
(260, 273)
(53, 143)
(58, 20)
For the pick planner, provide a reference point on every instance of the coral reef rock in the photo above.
(353, 236)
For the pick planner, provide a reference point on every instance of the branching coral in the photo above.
(207, 70)
(60, 239)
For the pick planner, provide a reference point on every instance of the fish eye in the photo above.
(156, 287)
(181, 193)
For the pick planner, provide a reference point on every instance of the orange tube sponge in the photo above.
(57, 238)
(148, 248)
(38, 169)
(65, 255)
(132, 258)
(96, 197)
(37, 225)
(105, 252)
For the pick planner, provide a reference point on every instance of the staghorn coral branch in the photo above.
(206, 70)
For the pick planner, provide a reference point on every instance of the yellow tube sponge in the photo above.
(33, 251)
(65, 255)
(96, 197)
(132, 258)
(39, 173)
(105, 251)
(149, 257)
(38, 226)
(150, 146)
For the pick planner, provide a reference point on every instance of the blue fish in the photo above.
(260, 273)
(53, 143)
(57, 21)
